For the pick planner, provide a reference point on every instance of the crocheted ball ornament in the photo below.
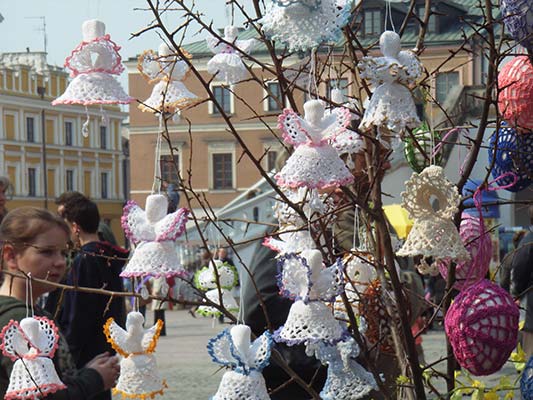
(228, 302)
(31, 345)
(511, 152)
(425, 139)
(518, 20)
(93, 64)
(205, 278)
(482, 326)
(479, 245)
(515, 101)
(526, 381)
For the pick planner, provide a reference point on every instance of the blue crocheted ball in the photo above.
(526, 381)
(514, 153)
(518, 19)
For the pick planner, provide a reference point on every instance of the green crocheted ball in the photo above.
(427, 140)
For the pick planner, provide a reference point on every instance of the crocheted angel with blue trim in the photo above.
(154, 233)
(232, 348)
(206, 280)
(305, 279)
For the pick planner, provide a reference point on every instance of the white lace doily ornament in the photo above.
(232, 348)
(306, 280)
(431, 201)
(31, 344)
(391, 108)
(205, 278)
(305, 24)
(93, 64)
(227, 63)
(314, 163)
(228, 301)
(292, 241)
(139, 377)
(154, 233)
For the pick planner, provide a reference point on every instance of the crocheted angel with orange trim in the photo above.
(31, 344)
(169, 94)
(139, 377)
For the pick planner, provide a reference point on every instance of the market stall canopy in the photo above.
(399, 219)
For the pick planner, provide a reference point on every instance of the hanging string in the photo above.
(156, 186)
(85, 127)
(29, 296)
(312, 76)
(388, 16)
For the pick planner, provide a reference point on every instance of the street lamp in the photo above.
(41, 90)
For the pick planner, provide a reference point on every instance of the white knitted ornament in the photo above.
(292, 241)
(93, 64)
(232, 348)
(31, 344)
(227, 63)
(154, 233)
(228, 301)
(348, 142)
(314, 163)
(391, 107)
(205, 278)
(433, 233)
(139, 377)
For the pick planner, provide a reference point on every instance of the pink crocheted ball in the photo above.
(482, 326)
(516, 97)
(479, 245)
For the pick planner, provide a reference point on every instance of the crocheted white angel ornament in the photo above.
(92, 65)
(391, 108)
(305, 24)
(232, 348)
(347, 379)
(227, 63)
(31, 344)
(314, 163)
(205, 279)
(139, 377)
(154, 233)
(431, 201)
(305, 279)
(169, 94)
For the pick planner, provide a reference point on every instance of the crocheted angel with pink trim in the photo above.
(314, 163)
(305, 279)
(227, 63)
(31, 344)
(154, 233)
(93, 64)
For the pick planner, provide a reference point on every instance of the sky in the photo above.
(20, 29)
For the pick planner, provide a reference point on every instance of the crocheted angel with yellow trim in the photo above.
(139, 377)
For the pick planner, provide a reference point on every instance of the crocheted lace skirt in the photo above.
(342, 384)
(235, 386)
(139, 377)
(227, 301)
(227, 66)
(154, 259)
(169, 97)
(32, 379)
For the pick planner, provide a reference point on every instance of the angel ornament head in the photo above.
(139, 377)
(31, 344)
(154, 234)
(233, 349)
(227, 63)
(306, 280)
(314, 164)
(391, 108)
(432, 201)
(169, 95)
(206, 280)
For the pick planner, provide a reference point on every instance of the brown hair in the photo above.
(20, 226)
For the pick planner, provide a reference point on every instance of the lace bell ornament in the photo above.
(433, 234)
(139, 377)
(391, 108)
(515, 99)
(31, 345)
(305, 24)
(206, 280)
(233, 349)
(169, 95)
(314, 164)
(227, 63)
(154, 233)
(306, 280)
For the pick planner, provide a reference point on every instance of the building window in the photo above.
(341, 84)
(32, 182)
(446, 81)
(30, 129)
(169, 168)
(103, 137)
(104, 186)
(274, 99)
(69, 180)
(432, 23)
(372, 22)
(223, 97)
(222, 171)
(271, 157)
(68, 133)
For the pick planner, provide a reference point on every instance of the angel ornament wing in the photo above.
(154, 233)
(92, 65)
(314, 163)
(169, 95)
(31, 344)
(391, 108)
(232, 348)
(139, 377)
(227, 64)
(306, 280)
